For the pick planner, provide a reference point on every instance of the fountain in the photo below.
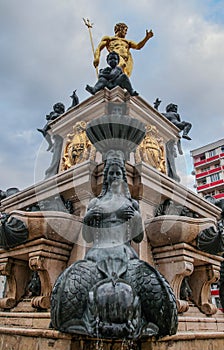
(109, 247)
(111, 293)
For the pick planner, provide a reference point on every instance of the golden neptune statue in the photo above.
(122, 46)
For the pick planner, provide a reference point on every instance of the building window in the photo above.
(211, 193)
(202, 182)
(211, 153)
(215, 177)
(202, 157)
(205, 169)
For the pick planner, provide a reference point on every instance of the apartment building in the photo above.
(208, 164)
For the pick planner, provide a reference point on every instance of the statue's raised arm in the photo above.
(137, 46)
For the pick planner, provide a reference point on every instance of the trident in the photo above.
(89, 26)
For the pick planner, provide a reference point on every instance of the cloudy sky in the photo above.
(46, 54)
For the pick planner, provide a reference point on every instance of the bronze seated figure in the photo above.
(112, 76)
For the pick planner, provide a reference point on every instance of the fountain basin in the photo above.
(54, 225)
(112, 132)
(171, 229)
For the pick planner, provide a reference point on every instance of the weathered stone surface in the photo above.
(54, 225)
(171, 229)
(23, 339)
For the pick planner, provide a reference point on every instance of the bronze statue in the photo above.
(58, 109)
(111, 293)
(34, 285)
(12, 231)
(156, 103)
(75, 100)
(9, 192)
(112, 76)
(211, 239)
(113, 207)
(172, 115)
(122, 46)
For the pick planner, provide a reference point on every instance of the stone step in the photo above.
(45, 339)
(37, 320)
(201, 324)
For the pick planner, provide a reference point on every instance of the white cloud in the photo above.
(26, 135)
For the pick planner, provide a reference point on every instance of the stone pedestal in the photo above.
(48, 258)
(177, 261)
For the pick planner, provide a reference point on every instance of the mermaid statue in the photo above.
(111, 293)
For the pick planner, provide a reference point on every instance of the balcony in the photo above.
(219, 195)
(210, 185)
(208, 172)
(208, 160)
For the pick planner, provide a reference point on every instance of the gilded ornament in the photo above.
(151, 150)
(78, 147)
